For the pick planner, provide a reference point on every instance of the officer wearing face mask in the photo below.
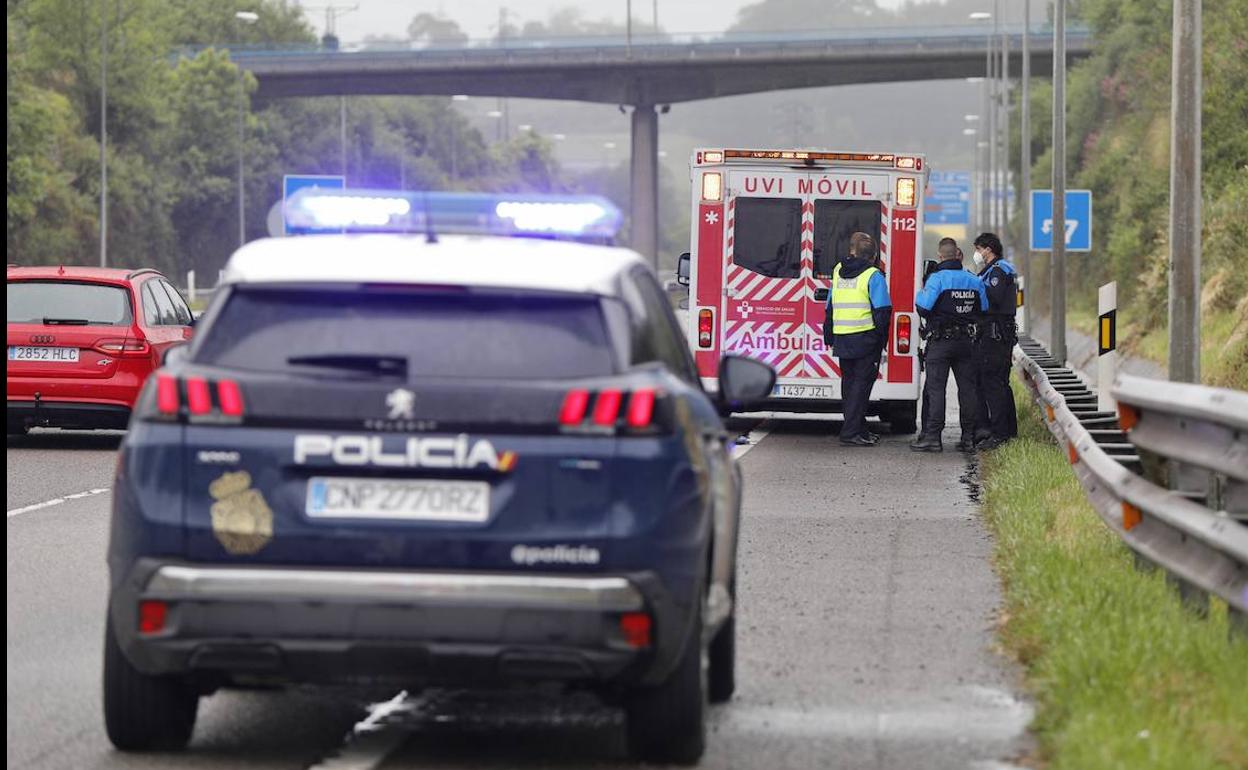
(994, 346)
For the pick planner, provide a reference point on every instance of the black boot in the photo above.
(927, 444)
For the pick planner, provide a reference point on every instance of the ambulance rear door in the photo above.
(766, 267)
(842, 202)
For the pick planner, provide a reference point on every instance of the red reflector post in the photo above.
(574, 406)
(167, 394)
(903, 334)
(152, 616)
(231, 398)
(198, 399)
(640, 408)
(636, 628)
(607, 407)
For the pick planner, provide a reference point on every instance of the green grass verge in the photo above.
(1123, 675)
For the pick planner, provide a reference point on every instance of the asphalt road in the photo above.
(867, 605)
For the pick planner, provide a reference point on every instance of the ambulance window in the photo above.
(835, 222)
(767, 236)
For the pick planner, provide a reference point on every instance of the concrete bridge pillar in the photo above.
(645, 182)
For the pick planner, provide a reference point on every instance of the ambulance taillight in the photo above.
(903, 334)
(712, 186)
(906, 191)
(706, 323)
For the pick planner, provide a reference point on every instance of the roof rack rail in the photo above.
(141, 271)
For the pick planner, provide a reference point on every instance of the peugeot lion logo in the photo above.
(401, 403)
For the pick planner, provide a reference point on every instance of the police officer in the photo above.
(995, 343)
(950, 304)
(856, 328)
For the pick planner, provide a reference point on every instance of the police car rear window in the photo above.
(412, 333)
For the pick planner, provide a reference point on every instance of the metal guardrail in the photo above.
(1168, 473)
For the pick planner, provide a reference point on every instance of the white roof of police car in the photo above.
(455, 260)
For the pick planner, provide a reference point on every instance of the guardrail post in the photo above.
(1192, 597)
(1237, 623)
(1107, 346)
(1020, 301)
(190, 285)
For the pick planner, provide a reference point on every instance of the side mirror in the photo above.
(821, 295)
(743, 382)
(682, 269)
(175, 355)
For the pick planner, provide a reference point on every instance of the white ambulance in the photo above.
(768, 227)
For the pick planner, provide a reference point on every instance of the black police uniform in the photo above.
(951, 303)
(994, 349)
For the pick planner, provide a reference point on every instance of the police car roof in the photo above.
(454, 260)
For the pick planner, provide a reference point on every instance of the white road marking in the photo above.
(370, 742)
(57, 501)
(756, 436)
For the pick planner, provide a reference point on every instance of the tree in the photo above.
(435, 30)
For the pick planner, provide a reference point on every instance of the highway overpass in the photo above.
(645, 75)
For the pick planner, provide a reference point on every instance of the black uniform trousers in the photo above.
(941, 355)
(994, 358)
(857, 378)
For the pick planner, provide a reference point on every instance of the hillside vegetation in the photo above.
(1118, 142)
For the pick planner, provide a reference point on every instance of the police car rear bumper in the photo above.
(229, 623)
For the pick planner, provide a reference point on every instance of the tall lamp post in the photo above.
(1024, 198)
(975, 181)
(103, 134)
(246, 17)
(986, 217)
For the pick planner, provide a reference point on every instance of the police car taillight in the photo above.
(903, 334)
(706, 325)
(611, 409)
(197, 395)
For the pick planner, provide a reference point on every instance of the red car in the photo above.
(82, 340)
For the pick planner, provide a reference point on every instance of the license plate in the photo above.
(409, 499)
(51, 355)
(802, 391)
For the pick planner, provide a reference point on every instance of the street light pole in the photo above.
(1185, 214)
(1005, 134)
(1057, 270)
(247, 17)
(1025, 160)
(103, 133)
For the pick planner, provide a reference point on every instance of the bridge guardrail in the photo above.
(1168, 473)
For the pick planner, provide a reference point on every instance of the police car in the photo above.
(430, 460)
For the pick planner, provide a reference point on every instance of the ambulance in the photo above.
(768, 227)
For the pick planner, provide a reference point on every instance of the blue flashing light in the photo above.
(568, 216)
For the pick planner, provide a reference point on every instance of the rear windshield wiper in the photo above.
(361, 362)
(65, 322)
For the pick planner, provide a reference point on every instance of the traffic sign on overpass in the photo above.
(948, 200)
(1078, 220)
(293, 183)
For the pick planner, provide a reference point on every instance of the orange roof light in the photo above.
(855, 157)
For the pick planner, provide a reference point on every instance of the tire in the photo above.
(667, 723)
(142, 712)
(902, 420)
(722, 677)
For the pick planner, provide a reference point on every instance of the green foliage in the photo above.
(1118, 143)
(174, 101)
(1124, 675)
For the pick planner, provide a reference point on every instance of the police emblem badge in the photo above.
(241, 519)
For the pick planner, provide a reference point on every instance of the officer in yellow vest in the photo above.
(856, 328)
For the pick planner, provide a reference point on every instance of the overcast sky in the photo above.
(479, 17)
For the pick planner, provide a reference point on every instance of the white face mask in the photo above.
(979, 260)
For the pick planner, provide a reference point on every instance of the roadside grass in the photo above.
(1123, 675)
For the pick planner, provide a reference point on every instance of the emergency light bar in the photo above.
(907, 162)
(334, 211)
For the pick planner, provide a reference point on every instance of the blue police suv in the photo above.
(473, 462)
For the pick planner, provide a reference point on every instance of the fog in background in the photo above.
(922, 117)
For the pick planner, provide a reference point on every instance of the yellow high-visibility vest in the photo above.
(851, 302)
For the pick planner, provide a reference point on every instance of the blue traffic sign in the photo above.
(1078, 220)
(948, 200)
(292, 183)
